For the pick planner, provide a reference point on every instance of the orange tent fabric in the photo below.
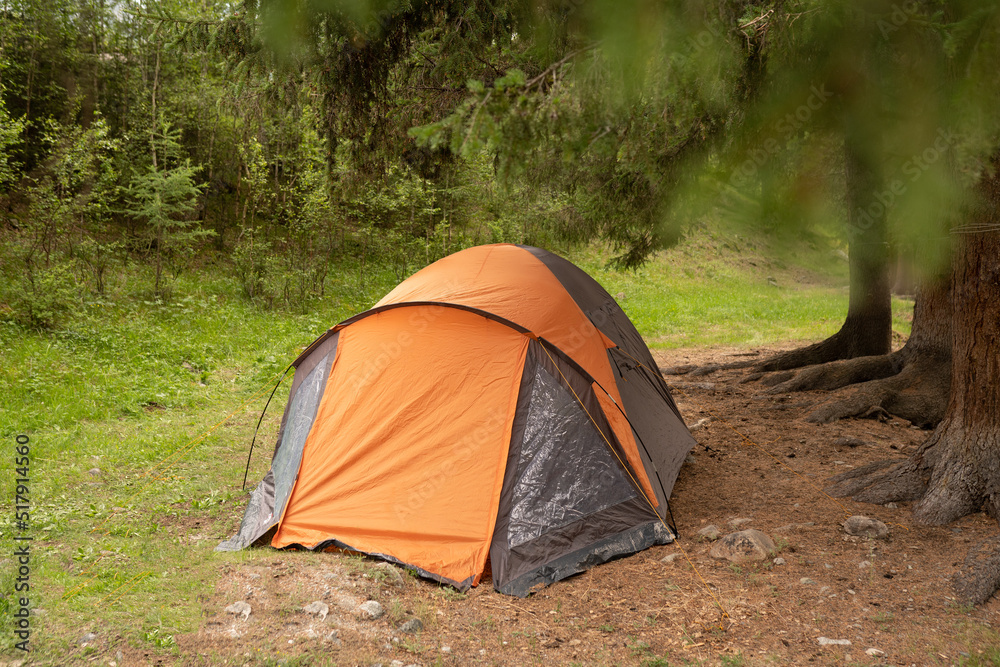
(384, 470)
(505, 280)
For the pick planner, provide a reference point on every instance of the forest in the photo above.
(300, 149)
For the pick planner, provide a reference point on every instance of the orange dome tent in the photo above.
(497, 404)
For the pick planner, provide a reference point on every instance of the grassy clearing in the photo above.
(713, 291)
(140, 413)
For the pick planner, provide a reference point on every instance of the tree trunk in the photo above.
(967, 473)
(867, 330)
(957, 471)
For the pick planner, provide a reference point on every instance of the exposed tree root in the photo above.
(946, 487)
(917, 393)
(979, 575)
(912, 382)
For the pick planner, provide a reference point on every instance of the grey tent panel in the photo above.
(569, 500)
(664, 441)
(565, 471)
(268, 499)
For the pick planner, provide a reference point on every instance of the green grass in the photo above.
(163, 396)
(729, 291)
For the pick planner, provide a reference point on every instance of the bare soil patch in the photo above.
(758, 461)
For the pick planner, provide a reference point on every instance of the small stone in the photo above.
(824, 641)
(670, 558)
(849, 442)
(254, 575)
(709, 533)
(334, 638)
(864, 526)
(746, 545)
(698, 425)
(575, 642)
(892, 506)
(736, 523)
(239, 608)
(94, 472)
(392, 575)
(370, 610)
(87, 639)
(310, 634)
(874, 652)
(863, 564)
(779, 561)
(317, 608)
(446, 649)
(411, 626)
(397, 663)
(806, 581)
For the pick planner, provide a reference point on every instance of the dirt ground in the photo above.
(756, 461)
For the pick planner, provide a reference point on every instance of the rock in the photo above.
(709, 533)
(891, 506)
(239, 608)
(863, 564)
(317, 608)
(333, 638)
(849, 442)
(864, 526)
(779, 561)
(94, 472)
(806, 581)
(698, 425)
(370, 610)
(446, 649)
(392, 575)
(310, 634)
(824, 641)
(411, 626)
(874, 652)
(87, 639)
(746, 545)
(736, 523)
(670, 558)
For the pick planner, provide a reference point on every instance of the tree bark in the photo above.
(867, 330)
(957, 470)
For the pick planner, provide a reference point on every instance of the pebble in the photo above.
(874, 652)
(411, 626)
(806, 581)
(709, 532)
(825, 641)
(446, 649)
(670, 558)
(239, 608)
(864, 526)
(87, 638)
(863, 564)
(317, 608)
(779, 561)
(370, 609)
(94, 472)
